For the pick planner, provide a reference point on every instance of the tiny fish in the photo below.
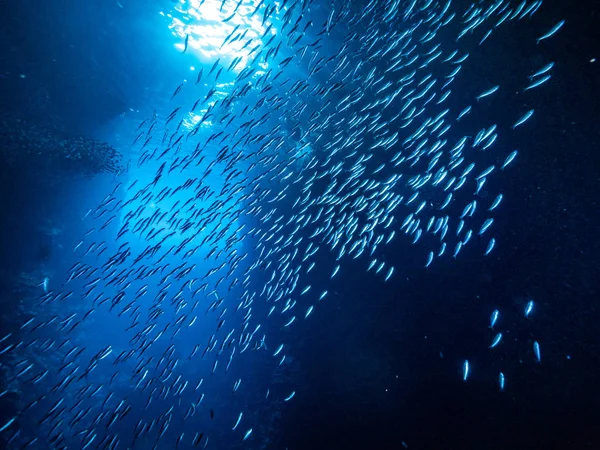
(488, 92)
(552, 31)
(536, 351)
(247, 435)
(538, 83)
(185, 44)
(335, 271)
(490, 246)
(389, 274)
(495, 203)
(237, 422)
(429, 259)
(488, 223)
(485, 173)
(45, 284)
(509, 159)
(496, 340)
(524, 118)
(529, 308)
(542, 71)
(494, 318)
(308, 311)
(464, 112)
(8, 424)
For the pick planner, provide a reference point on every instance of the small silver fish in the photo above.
(529, 308)
(496, 340)
(494, 318)
(536, 351)
(185, 44)
(524, 118)
(552, 31)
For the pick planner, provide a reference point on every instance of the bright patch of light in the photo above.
(193, 118)
(216, 29)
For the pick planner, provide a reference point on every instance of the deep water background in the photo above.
(378, 364)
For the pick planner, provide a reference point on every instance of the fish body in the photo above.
(487, 93)
(536, 352)
(524, 118)
(552, 31)
(496, 340)
(529, 308)
(494, 318)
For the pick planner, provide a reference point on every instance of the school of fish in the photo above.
(340, 135)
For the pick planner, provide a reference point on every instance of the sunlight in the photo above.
(220, 29)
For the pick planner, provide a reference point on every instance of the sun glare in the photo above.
(220, 29)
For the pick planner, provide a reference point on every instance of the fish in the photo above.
(510, 158)
(529, 308)
(389, 274)
(494, 318)
(536, 352)
(45, 283)
(429, 259)
(247, 435)
(309, 311)
(487, 93)
(496, 202)
(542, 71)
(496, 340)
(524, 118)
(485, 173)
(8, 424)
(490, 246)
(464, 112)
(465, 370)
(552, 31)
(185, 43)
(335, 271)
(488, 223)
(538, 82)
(237, 422)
